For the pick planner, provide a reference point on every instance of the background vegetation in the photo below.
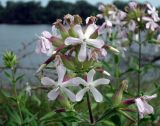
(34, 13)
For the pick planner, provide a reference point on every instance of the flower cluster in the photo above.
(76, 50)
(120, 28)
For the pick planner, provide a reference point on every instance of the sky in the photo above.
(44, 2)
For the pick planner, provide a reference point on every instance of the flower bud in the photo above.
(69, 19)
(72, 32)
(65, 102)
(117, 97)
(68, 62)
(9, 59)
(112, 49)
(77, 19)
(56, 41)
(58, 25)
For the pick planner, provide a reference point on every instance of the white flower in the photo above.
(95, 53)
(91, 85)
(143, 107)
(46, 34)
(28, 89)
(153, 12)
(132, 5)
(121, 15)
(101, 7)
(150, 23)
(158, 37)
(69, 19)
(59, 86)
(107, 25)
(84, 39)
(55, 32)
(44, 46)
(132, 25)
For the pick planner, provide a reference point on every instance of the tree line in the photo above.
(33, 12)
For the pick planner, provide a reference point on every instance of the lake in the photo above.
(21, 40)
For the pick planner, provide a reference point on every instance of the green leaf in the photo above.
(35, 98)
(48, 116)
(7, 74)
(19, 77)
(116, 59)
(126, 115)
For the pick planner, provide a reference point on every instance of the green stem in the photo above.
(15, 92)
(89, 109)
(139, 69)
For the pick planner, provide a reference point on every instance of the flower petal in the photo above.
(70, 94)
(96, 94)
(82, 53)
(79, 80)
(148, 108)
(46, 34)
(47, 81)
(71, 82)
(101, 81)
(78, 30)
(80, 94)
(72, 41)
(146, 97)
(90, 30)
(90, 75)
(97, 43)
(61, 70)
(53, 94)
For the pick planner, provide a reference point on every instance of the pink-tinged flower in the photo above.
(46, 34)
(121, 15)
(158, 37)
(69, 19)
(150, 23)
(107, 25)
(95, 53)
(55, 32)
(153, 12)
(60, 86)
(101, 7)
(132, 25)
(91, 85)
(84, 40)
(132, 5)
(143, 107)
(90, 20)
(44, 46)
(99, 16)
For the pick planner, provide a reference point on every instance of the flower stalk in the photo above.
(90, 109)
(139, 70)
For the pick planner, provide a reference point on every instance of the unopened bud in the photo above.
(113, 49)
(58, 24)
(56, 41)
(77, 19)
(68, 62)
(106, 73)
(117, 97)
(65, 102)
